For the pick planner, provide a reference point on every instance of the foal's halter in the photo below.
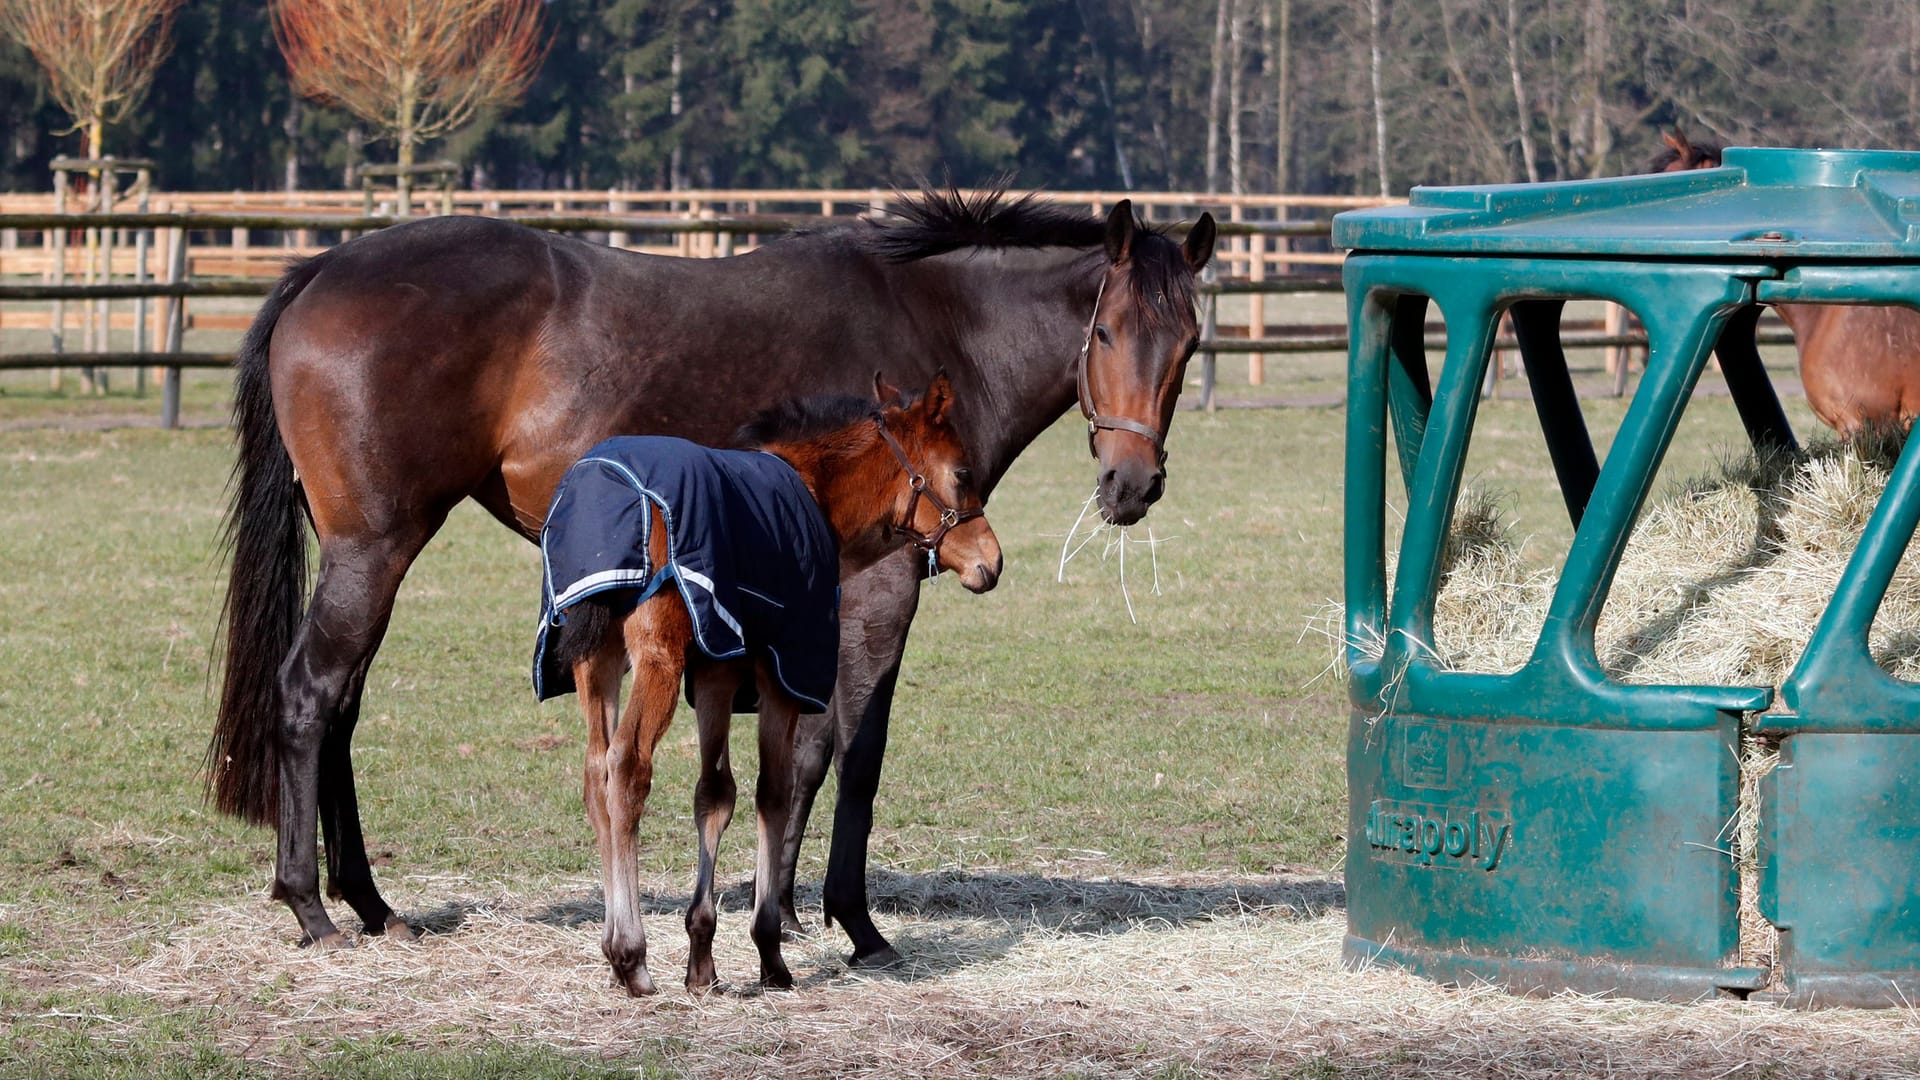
(1095, 421)
(949, 516)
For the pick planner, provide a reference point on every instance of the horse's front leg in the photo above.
(658, 633)
(876, 609)
(773, 801)
(713, 802)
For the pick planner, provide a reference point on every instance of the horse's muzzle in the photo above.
(1126, 491)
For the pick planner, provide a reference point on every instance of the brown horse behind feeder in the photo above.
(1859, 363)
(865, 479)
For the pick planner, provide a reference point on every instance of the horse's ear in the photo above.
(939, 397)
(1199, 244)
(1120, 231)
(1676, 141)
(885, 392)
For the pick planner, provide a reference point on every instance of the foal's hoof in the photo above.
(884, 957)
(396, 929)
(637, 982)
(326, 942)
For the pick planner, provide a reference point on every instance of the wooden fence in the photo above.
(211, 245)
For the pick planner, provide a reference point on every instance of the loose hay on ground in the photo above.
(1222, 977)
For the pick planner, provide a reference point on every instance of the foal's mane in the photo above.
(804, 419)
(934, 222)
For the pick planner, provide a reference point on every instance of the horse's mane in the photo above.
(934, 222)
(801, 419)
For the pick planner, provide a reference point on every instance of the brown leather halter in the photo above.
(1095, 421)
(949, 516)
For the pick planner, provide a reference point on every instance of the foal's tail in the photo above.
(266, 586)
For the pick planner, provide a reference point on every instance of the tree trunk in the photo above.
(676, 163)
(1493, 156)
(291, 126)
(1236, 176)
(1283, 97)
(1375, 61)
(1528, 152)
(1600, 133)
(1213, 97)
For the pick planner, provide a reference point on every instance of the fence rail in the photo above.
(1252, 246)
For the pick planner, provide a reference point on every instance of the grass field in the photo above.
(1108, 847)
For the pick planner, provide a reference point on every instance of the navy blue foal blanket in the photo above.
(747, 546)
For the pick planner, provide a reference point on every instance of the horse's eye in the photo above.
(963, 477)
(1105, 338)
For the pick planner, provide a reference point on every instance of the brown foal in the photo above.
(898, 475)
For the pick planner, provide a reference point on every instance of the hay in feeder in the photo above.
(1721, 584)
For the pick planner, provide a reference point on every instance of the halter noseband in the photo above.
(950, 516)
(1094, 420)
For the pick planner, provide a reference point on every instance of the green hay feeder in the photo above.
(1554, 828)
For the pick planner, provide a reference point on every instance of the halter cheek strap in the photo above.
(950, 516)
(1095, 421)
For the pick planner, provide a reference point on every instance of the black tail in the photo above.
(580, 635)
(266, 587)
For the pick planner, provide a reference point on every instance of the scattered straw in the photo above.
(1115, 539)
(1008, 975)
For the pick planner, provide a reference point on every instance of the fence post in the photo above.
(176, 327)
(142, 247)
(109, 182)
(1256, 309)
(59, 344)
(616, 205)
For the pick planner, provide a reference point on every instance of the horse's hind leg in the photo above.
(773, 799)
(349, 874)
(319, 690)
(657, 635)
(713, 801)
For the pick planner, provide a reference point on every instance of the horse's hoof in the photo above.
(884, 957)
(701, 979)
(638, 982)
(778, 979)
(396, 930)
(327, 942)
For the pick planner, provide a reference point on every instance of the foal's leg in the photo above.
(812, 754)
(319, 692)
(658, 633)
(596, 679)
(773, 799)
(713, 801)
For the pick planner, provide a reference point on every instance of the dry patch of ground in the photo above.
(1010, 975)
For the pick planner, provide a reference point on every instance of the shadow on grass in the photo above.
(948, 910)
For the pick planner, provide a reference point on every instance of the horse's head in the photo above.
(1134, 359)
(1679, 154)
(938, 509)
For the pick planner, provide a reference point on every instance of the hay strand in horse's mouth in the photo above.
(1117, 537)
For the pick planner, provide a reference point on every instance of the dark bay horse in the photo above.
(881, 476)
(1859, 363)
(388, 378)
